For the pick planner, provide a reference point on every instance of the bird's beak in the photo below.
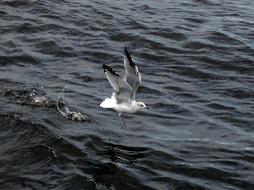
(147, 107)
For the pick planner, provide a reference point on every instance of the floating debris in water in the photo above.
(71, 115)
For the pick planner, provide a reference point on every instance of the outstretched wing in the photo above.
(122, 91)
(133, 77)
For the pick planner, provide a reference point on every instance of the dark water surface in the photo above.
(196, 59)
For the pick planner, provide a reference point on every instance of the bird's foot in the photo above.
(122, 120)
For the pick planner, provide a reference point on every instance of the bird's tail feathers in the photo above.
(108, 103)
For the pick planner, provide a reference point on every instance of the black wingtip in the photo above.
(104, 67)
(126, 53)
(109, 69)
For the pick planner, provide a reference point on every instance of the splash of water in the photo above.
(71, 115)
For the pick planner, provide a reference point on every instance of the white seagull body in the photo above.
(124, 88)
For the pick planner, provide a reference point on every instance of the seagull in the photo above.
(124, 88)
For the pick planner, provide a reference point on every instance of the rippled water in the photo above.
(196, 59)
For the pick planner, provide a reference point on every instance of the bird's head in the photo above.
(142, 105)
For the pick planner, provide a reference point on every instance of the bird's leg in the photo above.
(122, 120)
